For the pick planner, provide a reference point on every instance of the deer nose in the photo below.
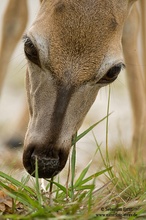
(47, 166)
(49, 161)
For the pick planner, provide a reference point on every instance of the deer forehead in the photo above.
(77, 35)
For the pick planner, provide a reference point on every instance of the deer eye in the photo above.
(31, 51)
(111, 74)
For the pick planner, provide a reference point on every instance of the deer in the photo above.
(73, 49)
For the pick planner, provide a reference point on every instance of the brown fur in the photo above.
(75, 35)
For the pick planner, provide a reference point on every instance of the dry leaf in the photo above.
(6, 202)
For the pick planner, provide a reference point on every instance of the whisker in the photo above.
(15, 57)
(20, 63)
(120, 82)
(20, 69)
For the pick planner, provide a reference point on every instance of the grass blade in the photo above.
(88, 130)
(37, 185)
(16, 183)
(73, 166)
(95, 175)
(85, 187)
(20, 196)
(61, 187)
(82, 175)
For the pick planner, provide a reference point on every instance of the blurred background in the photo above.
(13, 98)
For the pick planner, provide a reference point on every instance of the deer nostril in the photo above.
(47, 166)
(49, 163)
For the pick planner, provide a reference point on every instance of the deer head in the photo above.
(73, 49)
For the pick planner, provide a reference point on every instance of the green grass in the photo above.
(121, 194)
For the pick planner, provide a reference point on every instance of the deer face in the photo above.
(73, 49)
